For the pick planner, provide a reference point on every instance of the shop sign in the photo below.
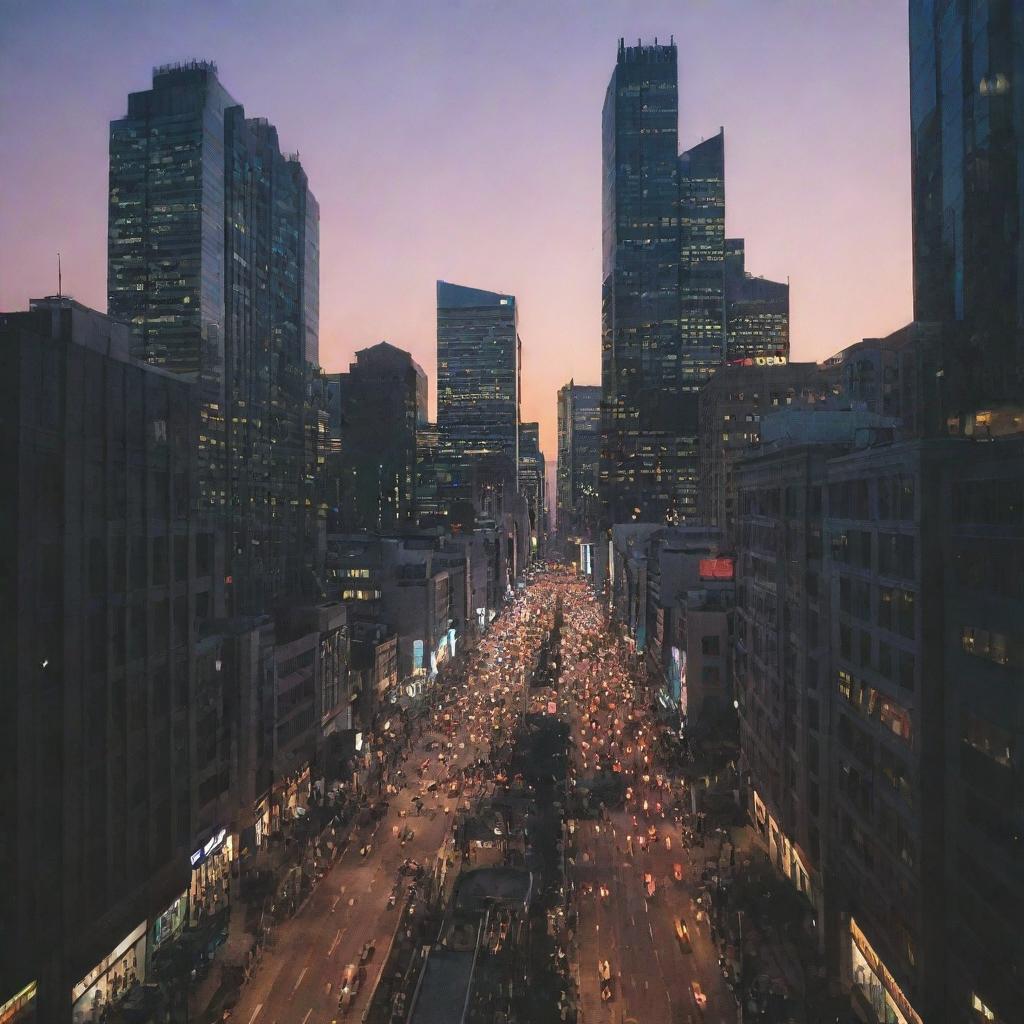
(760, 361)
(213, 844)
(883, 975)
(716, 568)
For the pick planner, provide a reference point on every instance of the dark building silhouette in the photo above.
(967, 123)
(381, 403)
(115, 741)
(213, 260)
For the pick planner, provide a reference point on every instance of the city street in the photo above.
(619, 921)
(299, 978)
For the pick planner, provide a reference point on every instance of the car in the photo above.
(351, 978)
(650, 887)
(366, 953)
(683, 935)
(699, 997)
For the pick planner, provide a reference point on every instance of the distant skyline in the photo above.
(462, 141)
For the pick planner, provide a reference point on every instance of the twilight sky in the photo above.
(460, 139)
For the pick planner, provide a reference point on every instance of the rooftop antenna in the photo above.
(59, 279)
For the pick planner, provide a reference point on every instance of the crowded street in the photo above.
(631, 940)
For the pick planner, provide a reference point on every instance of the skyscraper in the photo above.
(967, 122)
(532, 482)
(579, 453)
(640, 286)
(478, 367)
(213, 260)
(382, 402)
(663, 306)
(756, 312)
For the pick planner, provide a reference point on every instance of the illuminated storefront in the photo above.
(210, 888)
(783, 853)
(111, 979)
(168, 924)
(20, 1008)
(878, 987)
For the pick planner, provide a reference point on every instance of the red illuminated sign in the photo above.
(716, 569)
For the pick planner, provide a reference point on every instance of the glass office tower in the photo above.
(640, 287)
(967, 123)
(478, 370)
(213, 259)
(663, 315)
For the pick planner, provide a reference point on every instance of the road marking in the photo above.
(309, 1013)
(334, 944)
(334, 905)
(256, 1012)
(295, 987)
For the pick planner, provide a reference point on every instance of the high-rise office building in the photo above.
(478, 372)
(663, 302)
(532, 482)
(579, 453)
(640, 284)
(117, 724)
(967, 153)
(756, 313)
(213, 260)
(382, 403)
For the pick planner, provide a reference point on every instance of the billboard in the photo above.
(716, 569)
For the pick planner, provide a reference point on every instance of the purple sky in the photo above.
(461, 141)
